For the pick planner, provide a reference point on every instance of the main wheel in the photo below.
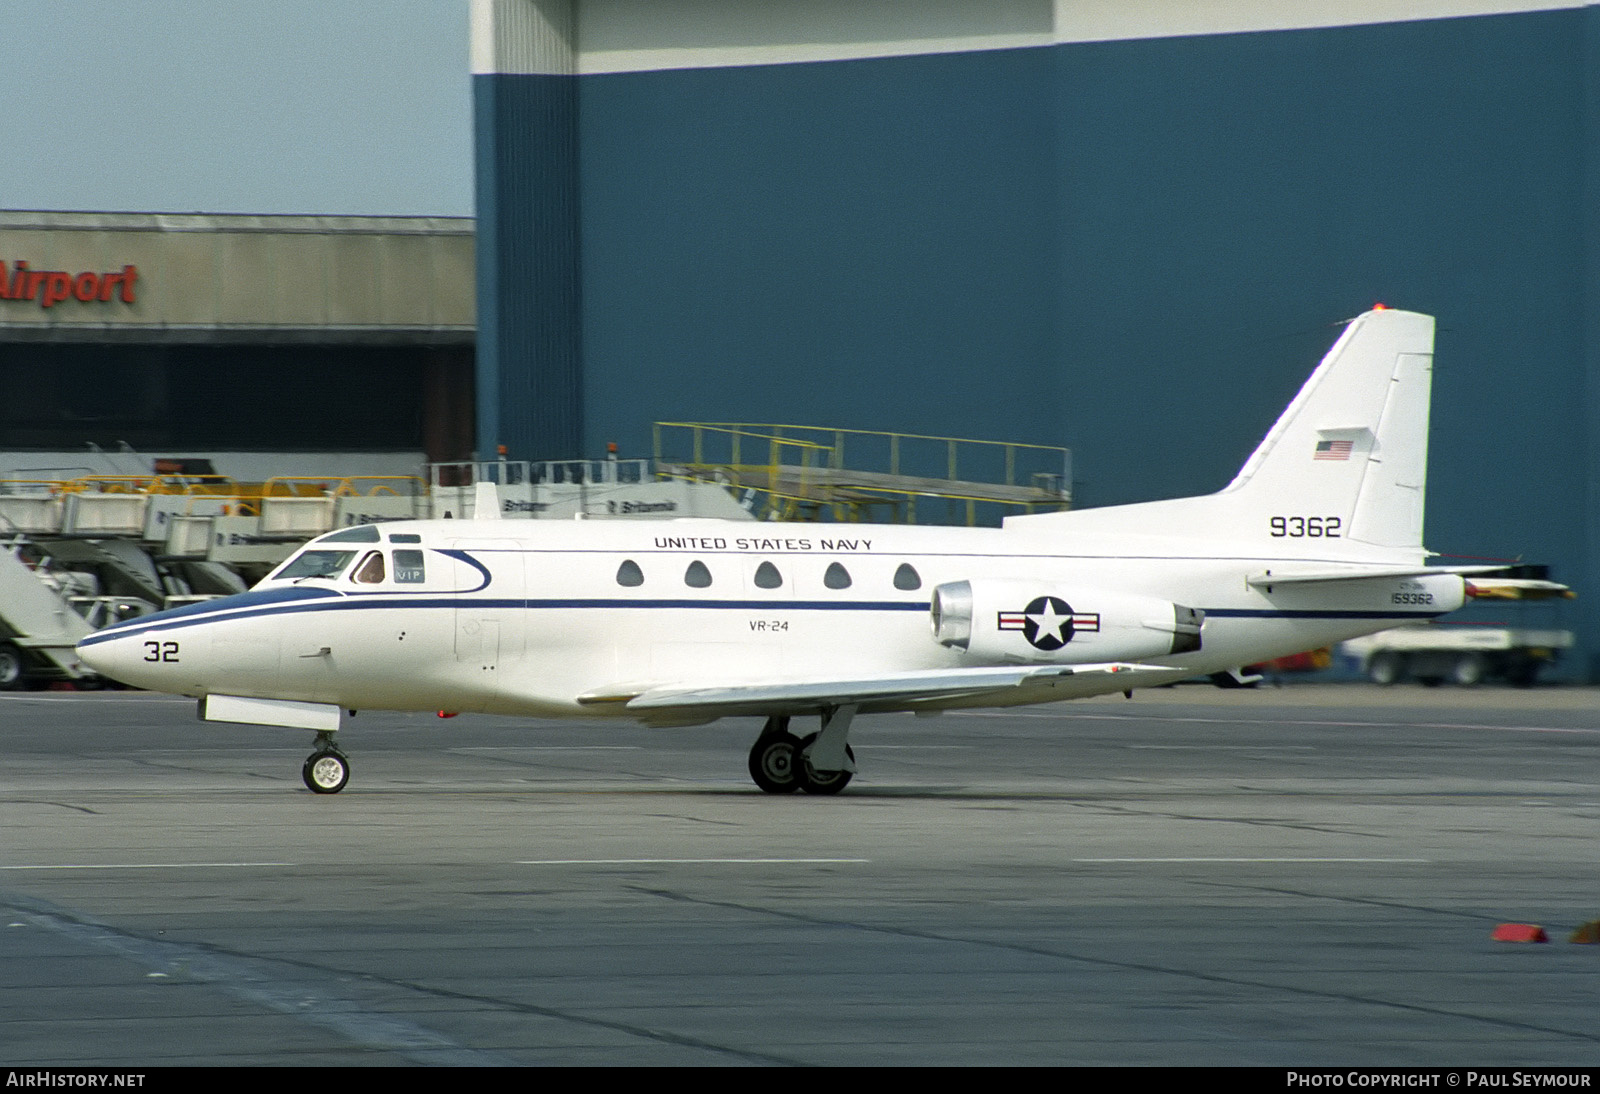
(813, 781)
(326, 772)
(13, 669)
(774, 763)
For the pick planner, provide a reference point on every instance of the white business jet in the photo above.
(1316, 540)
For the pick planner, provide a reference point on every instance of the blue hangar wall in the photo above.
(1137, 248)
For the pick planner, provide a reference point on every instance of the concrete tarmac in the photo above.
(1290, 877)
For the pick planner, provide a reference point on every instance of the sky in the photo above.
(223, 106)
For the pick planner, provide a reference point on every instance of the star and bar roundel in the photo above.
(1048, 622)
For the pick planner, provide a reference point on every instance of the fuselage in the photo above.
(540, 618)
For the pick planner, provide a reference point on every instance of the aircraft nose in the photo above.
(135, 659)
(111, 655)
(184, 650)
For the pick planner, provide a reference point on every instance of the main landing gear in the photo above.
(327, 769)
(820, 763)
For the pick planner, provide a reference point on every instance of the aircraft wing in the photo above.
(896, 691)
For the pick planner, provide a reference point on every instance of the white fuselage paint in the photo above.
(526, 617)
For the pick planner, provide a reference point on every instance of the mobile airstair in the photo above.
(39, 624)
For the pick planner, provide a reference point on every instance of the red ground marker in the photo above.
(1519, 932)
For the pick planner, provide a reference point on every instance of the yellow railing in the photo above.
(801, 471)
(323, 486)
(100, 484)
(301, 486)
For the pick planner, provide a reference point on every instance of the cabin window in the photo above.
(629, 574)
(316, 564)
(768, 577)
(836, 577)
(697, 576)
(907, 578)
(408, 568)
(370, 572)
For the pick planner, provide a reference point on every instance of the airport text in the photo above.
(51, 287)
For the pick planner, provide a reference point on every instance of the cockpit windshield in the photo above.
(328, 564)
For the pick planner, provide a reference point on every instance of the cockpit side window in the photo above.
(408, 568)
(315, 564)
(371, 570)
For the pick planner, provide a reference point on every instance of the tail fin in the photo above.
(1347, 461)
(1354, 443)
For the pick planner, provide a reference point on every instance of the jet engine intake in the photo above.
(1020, 622)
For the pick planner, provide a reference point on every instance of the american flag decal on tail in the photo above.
(1332, 450)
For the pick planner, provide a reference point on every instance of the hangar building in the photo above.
(1131, 226)
(167, 334)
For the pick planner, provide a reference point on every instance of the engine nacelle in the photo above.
(1027, 621)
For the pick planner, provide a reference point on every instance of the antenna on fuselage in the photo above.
(485, 495)
(486, 501)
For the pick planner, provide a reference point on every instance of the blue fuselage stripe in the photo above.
(190, 617)
(355, 603)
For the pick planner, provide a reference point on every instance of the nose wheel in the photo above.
(327, 769)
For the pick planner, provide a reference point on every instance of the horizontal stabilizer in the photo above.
(1367, 573)
(1480, 587)
(1517, 588)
